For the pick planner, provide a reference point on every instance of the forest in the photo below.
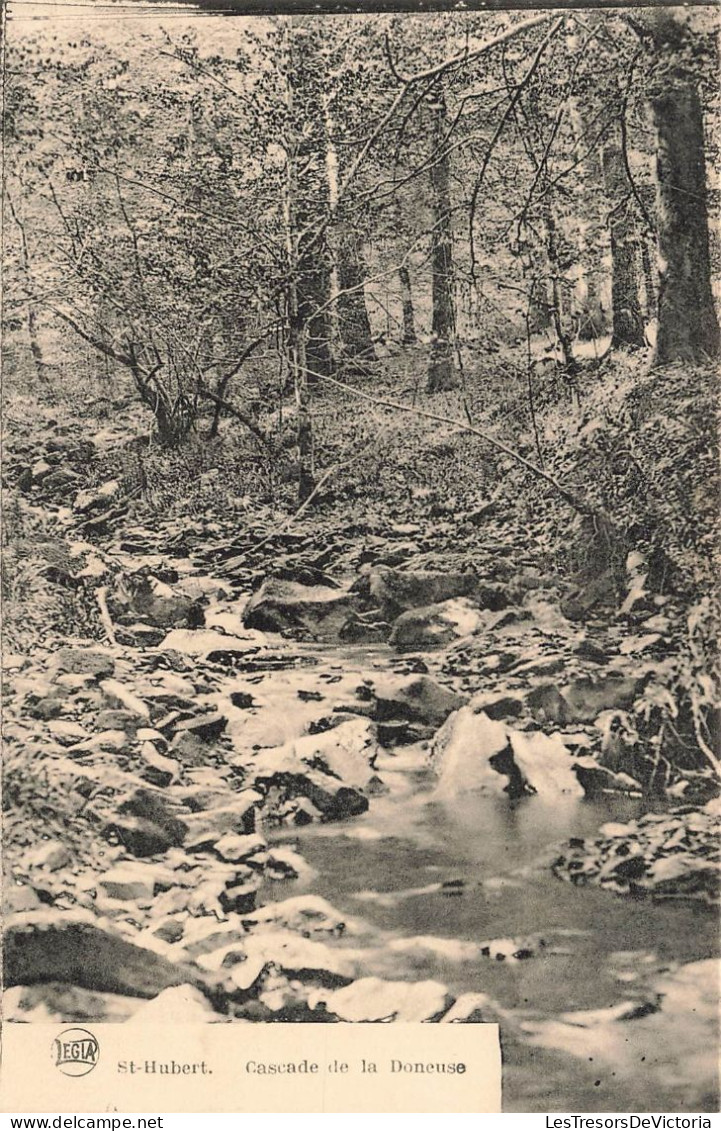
(360, 529)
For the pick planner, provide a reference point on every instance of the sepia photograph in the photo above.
(360, 549)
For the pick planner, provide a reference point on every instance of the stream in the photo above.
(428, 876)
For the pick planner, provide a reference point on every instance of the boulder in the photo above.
(346, 753)
(545, 764)
(141, 837)
(211, 643)
(50, 945)
(208, 827)
(435, 626)
(236, 849)
(84, 661)
(463, 751)
(394, 592)
(373, 999)
(301, 958)
(96, 498)
(53, 855)
(414, 699)
(595, 779)
(301, 610)
(178, 1005)
(472, 751)
(118, 695)
(587, 698)
(207, 727)
(150, 602)
(147, 823)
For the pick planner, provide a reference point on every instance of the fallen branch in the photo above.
(231, 410)
(570, 496)
(233, 563)
(101, 596)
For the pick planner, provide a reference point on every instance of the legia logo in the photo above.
(76, 1052)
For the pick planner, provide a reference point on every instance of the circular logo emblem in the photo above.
(76, 1052)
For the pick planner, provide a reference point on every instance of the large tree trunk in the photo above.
(442, 370)
(627, 319)
(409, 320)
(688, 328)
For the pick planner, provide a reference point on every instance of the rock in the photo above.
(67, 733)
(207, 828)
(236, 848)
(499, 706)
(548, 705)
(242, 700)
(545, 764)
(290, 608)
(470, 1009)
(140, 635)
(434, 626)
(306, 914)
(301, 812)
(599, 592)
(416, 699)
(153, 805)
(207, 727)
(127, 883)
(139, 836)
(189, 749)
(147, 823)
(117, 694)
(211, 643)
(112, 718)
(84, 661)
(301, 958)
(50, 945)
(152, 603)
(53, 855)
(19, 897)
(286, 864)
(315, 796)
(587, 698)
(394, 592)
(95, 499)
(359, 631)
(372, 999)
(157, 769)
(596, 779)
(48, 707)
(178, 1005)
(463, 750)
(58, 1003)
(240, 899)
(346, 752)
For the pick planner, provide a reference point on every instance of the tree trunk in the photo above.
(354, 324)
(558, 306)
(442, 370)
(36, 349)
(590, 314)
(627, 319)
(409, 321)
(688, 328)
(649, 281)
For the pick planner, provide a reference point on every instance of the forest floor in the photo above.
(334, 765)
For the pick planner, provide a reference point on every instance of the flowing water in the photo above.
(424, 875)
